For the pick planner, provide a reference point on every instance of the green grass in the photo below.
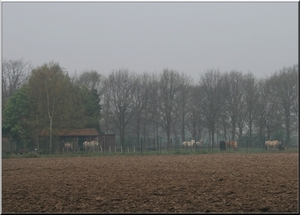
(146, 153)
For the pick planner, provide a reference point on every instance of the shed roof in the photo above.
(79, 132)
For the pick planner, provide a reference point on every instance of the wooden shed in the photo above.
(78, 136)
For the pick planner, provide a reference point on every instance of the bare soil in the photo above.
(225, 182)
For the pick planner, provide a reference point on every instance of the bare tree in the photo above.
(185, 100)
(234, 90)
(152, 107)
(283, 94)
(241, 122)
(224, 121)
(261, 110)
(14, 74)
(140, 98)
(195, 113)
(273, 118)
(170, 85)
(251, 97)
(105, 93)
(211, 88)
(267, 117)
(120, 88)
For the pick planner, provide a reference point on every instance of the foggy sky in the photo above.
(186, 37)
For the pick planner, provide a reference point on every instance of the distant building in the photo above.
(76, 138)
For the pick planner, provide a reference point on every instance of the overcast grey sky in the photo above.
(187, 37)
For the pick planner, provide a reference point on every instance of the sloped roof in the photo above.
(79, 132)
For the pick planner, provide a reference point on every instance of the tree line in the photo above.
(227, 104)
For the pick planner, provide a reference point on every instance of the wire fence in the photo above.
(144, 145)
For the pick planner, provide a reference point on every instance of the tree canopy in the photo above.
(48, 103)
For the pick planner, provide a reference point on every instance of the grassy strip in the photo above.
(144, 153)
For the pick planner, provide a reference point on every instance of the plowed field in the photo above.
(225, 182)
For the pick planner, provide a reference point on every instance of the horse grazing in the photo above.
(186, 144)
(90, 146)
(198, 144)
(68, 147)
(272, 143)
(231, 143)
(191, 143)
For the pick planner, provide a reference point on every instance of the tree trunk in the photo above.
(288, 132)
(225, 131)
(212, 136)
(250, 132)
(168, 137)
(250, 135)
(233, 131)
(183, 131)
(138, 128)
(50, 143)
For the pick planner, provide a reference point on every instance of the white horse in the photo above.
(186, 144)
(93, 145)
(274, 144)
(199, 143)
(67, 147)
(191, 143)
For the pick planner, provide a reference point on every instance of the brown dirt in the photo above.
(228, 182)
